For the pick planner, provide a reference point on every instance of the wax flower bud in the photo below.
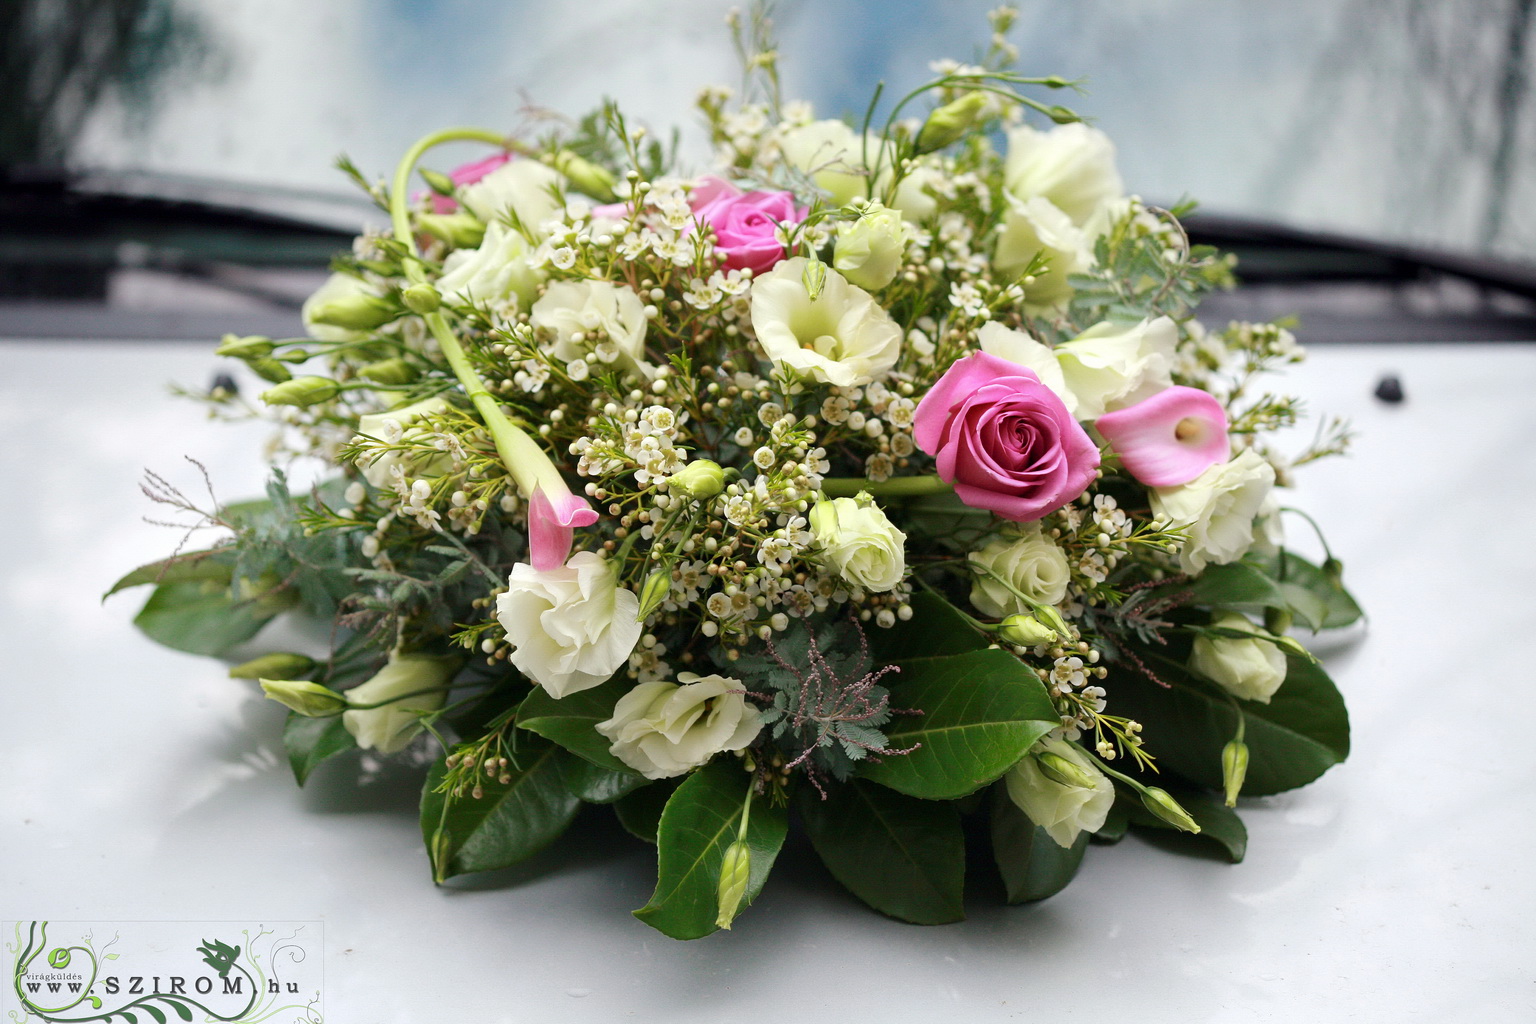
(302, 392)
(308, 699)
(421, 298)
(700, 480)
(279, 665)
(1025, 631)
(950, 122)
(1160, 803)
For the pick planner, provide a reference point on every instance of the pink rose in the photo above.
(1004, 439)
(745, 223)
(467, 174)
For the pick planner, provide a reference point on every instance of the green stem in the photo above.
(897, 487)
(1327, 552)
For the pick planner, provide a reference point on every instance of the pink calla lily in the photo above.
(1170, 438)
(552, 519)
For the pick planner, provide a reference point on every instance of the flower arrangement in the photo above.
(881, 480)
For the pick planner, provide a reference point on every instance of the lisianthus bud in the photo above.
(356, 312)
(1063, 770)
(308, 699)
(280, 665)
(437, 181)
(1277, 620)
(588, 177)
(461, 230)
(1025, 631)
(421, 298)
(654, 591)
(950, 122)
(1333, 571)
(302, 392)
(870, 250)
(700, 480)
(295, 356)
(1160, 803)
(814, 277)
(388, 371)
(252, 346)
(1061, 115)
(735, 870)
(384, 713)
(270, 369)
(1234, 769)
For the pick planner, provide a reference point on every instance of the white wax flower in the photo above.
(861, 543)
(1218, 509)
(1109, 367)
(1034, 226)
(869, 250)
(495, 270)
(391, 727)
(1072, 165)
(661, 729)
(1252, 669)
(1063, 811)
(570, 627)
(523, 189)
(586, 308)
(841, 337)
(1032, 564)
(390, 426)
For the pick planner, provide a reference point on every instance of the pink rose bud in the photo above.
(1004, 439)
(1170, 438)
(746, 224)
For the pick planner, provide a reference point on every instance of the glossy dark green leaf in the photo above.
(1339, 607)
(596, 785)
(981, 712)
(700, 820)
(511, 821)
(200, 617)
(1300, 734)
(1033, 865)
(903, 856)
(569, 721)
(936, 628)
(309, 741)
(1219, 824)
(640, 812)
(1236, 585)
(188, 567)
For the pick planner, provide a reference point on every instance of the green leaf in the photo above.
(1301, 733)
(1218, 823)
(981, 712)
(1236, 585)
(310, 741)
(904, 857)
(570, 720)
(509, 822)
(700, 821)
(158, 1015)
(200, 617)
(936, 628)
(1339, 607)
(179, 1007)
(1033, 865)
(188, 567)
(595, 785)
(640, 812)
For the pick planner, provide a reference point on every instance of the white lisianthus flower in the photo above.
(1217, 508)
(841, 337)
(661, 729)
(594, 316)
(495, 270)
(831, 153)
(861, 543)
(1032, 564)
(1063, 811)
(1072, 165)
(1252, 669)
(524, 190)
(570, 627)
(1109, 367)
(1034, 226)
(391, 426)
(1022, 348)
(391, 727)
(869, 250)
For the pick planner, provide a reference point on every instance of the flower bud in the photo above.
(950, 122)
(270, 369)
(1063, 770)
(302, 392)
(1333, 571)
(588, 177)
(295, 356)
(437, 181)
(1234, 769)
(461, 230)
(700, 480)
(388, 371)
(735, 870)
(421, 298)
(308, 699)
(654, 591)
(870, 250)
(279, 665)
(252, 346)
(1025, 631)
(1277, 620)
(1061, 115)
(1048, 615)
(814, 276)
(358, 311)
(1167, 808)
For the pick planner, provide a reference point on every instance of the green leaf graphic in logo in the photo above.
(218, 955)
(59, 958)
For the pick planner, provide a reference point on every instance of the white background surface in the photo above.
(141, 784)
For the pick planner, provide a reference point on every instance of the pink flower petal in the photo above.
(552, 520)
(1170, 438)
